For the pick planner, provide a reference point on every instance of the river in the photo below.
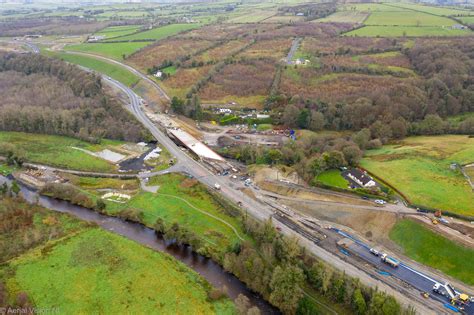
(139, 233)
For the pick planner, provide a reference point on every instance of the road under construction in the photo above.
(405, 282)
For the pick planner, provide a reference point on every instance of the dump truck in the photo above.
(389, 260)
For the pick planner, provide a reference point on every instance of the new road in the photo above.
(258, 210)
(404, 272)
(262, 211)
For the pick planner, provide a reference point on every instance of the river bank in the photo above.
(206, 267)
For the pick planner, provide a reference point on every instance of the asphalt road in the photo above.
(293, 49)
(404, 272)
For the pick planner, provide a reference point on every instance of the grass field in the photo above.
(429, 248)
(112, 70)
(467, 19)
(332, 178)
(436, 10)
(408, 18)
(158, 33)
(164, 205)
(112, 50)
(345, 17)
(433, 184)
(96, 271)
(117, 31)
(402, 19)
(57, 151)
(414, 31)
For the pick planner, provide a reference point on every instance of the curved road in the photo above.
(256, 209)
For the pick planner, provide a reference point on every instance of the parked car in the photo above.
(380, 201)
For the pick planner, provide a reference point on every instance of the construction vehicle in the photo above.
(444, 221)
(438, 288)
(449, 291)
(389, 260)
(374, 252)
(434, 221)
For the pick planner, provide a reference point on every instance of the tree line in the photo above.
(281, 270)
(411, 107)
(49, 96)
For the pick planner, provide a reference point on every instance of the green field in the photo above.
(408, 18)
(414, 31)
(332, 178)
(169, 70)
(158, 33)
(111, 50)
(112, 70)
(57, 151)
(467, 19)
(117, 31)
(166, 206)
(419, 167)
(429, 248)
(96, 271)
(402, 19)
(436, 10)
(345, 17)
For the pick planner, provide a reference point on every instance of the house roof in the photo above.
(363, 178)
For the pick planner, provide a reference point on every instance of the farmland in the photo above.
(112, 70)
(410, 19)
(419, 243)
(345, 17)
(401, 31)
(156, 33)
(112, 50)
(467, 19)
(402, 19)
(117, 31)
(434, 184)
(57, 151)
(95, 268)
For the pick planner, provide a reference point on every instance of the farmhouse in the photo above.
(224, 111)
(361, 178)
